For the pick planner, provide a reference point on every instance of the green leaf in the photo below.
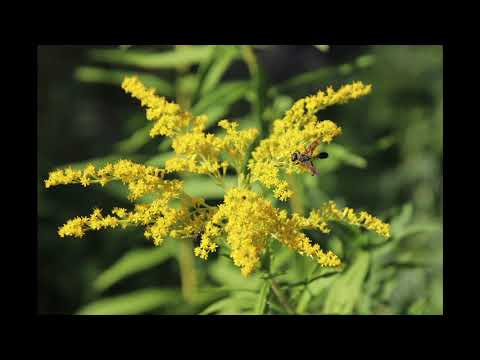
(133, 262)
(204, 186)
(159, 160)
(227, 55)
(225, 94)
(226, 273)
(202, 73)
(365, 61)
(346, 156)
(136, 302)
(217, 306)
(323, 75)
(91, 74)
(261, 305)
(237, 303)
(177, 57)
(212, 70)
(400, 222)
(217, 103)
(138, 139)
(346, 290)
(186, 84)
(417, 229)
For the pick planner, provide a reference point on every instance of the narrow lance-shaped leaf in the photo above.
(137, 302)
(92, 74)
(180, 56)
(261, 305)
(133, 262)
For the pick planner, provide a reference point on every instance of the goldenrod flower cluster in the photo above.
(296, 130)
(249, 222)
(196, 151)
(245, 221)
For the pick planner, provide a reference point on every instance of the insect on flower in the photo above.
(305, 158)
(198, 237)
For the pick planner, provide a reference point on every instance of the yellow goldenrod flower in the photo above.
(298, 128)
(245, 221)
(140, 179)
(330, 212)
(169, 117)
(249, 222)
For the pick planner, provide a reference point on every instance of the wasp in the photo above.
(305, 158)
(197, 237)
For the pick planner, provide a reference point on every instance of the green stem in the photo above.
(258, 83)
(281, 297)
(297, 199)
(187, 270)
(186, 259)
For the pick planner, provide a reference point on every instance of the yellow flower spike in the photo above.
(74, 227)
(169, 117)
(329, 212)
(245, 221)
(251, 222)
(120, 212)
(298, 127)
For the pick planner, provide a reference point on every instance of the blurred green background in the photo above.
(388, 161)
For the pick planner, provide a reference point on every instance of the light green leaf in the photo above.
(261, 305)
(186, 84)
(91, 74)
(136, 302)
(204, 186)
(211, 70)
(138, 139)
(225, 94)
(226, 273)
(177, 57)
(400, 222)
(236, 303)
(365, 61)
(227, 55)
(217, 306)
(346, 289)
(159, 160)
(417, 229)
(346, 156)
(131, 263)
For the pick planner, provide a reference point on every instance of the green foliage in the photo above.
(388, 161)
(133, 262)
(137, 302)
(90, 74)
(183, 56)
(346, 289)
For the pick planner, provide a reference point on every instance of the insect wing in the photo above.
(313, 170)
(311, 148)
